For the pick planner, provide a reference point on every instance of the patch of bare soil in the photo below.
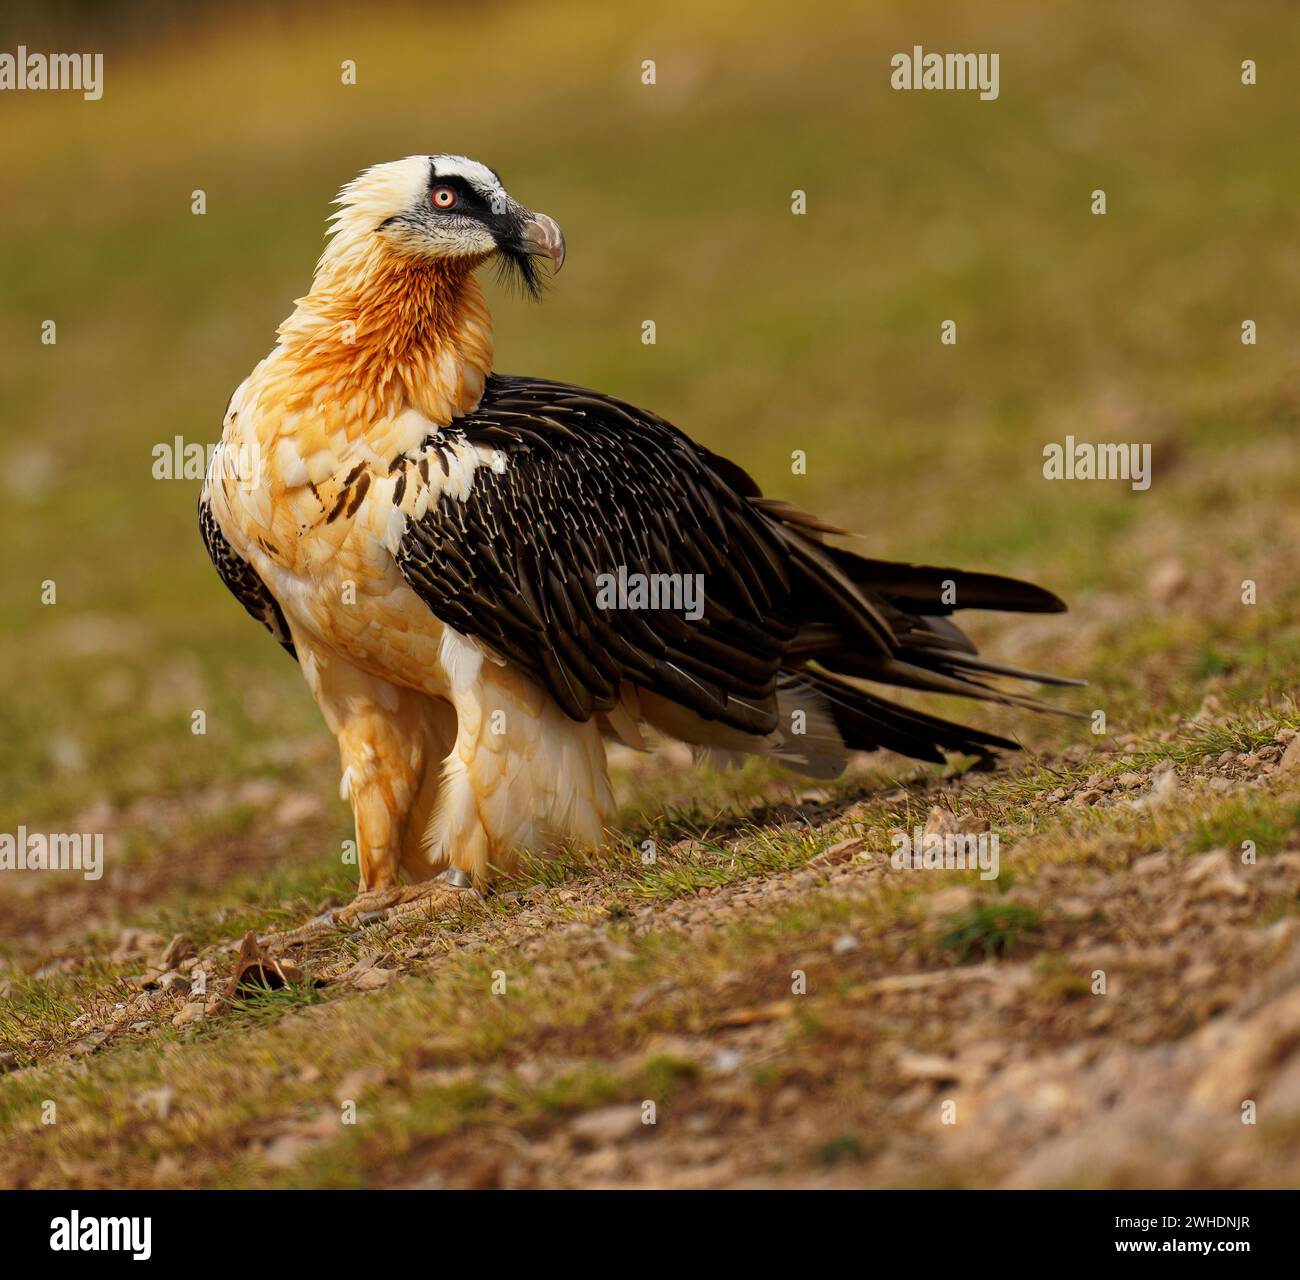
(45, 911)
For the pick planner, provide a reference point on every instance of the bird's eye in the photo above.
(443, 198)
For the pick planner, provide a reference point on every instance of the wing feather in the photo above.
(242, 580)
(583, 485)
(590, 486)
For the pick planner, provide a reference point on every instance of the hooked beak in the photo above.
(543, 238)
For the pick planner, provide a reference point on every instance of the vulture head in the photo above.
(447, 208)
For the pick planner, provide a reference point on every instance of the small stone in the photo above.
(840, 852)
(133, 942)
(1164, 791)
(88, 1044)
(1290, 761)
(178, 949)
(607, 1125)
(374, 978)
(941, 823)
(845, 943)
(174, 982)
(726, 1061)
(188, 1013)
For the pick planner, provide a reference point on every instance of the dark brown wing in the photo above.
(242, 580)
(596, 493)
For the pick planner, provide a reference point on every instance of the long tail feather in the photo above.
(867, 723)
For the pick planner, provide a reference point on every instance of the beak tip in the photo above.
(544, 238)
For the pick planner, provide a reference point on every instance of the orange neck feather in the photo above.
(381, 332)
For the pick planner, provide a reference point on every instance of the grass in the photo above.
(990, 931)
(555, 1007)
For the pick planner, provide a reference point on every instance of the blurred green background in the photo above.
(775, 332)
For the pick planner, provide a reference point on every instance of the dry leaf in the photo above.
(840, 852)
(259, 969)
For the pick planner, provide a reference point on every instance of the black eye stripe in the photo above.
(468, 198)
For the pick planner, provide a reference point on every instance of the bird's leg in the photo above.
(522, 777)
(387, 738)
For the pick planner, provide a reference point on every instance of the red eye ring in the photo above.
(443, 198)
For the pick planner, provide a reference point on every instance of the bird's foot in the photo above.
(445, 891)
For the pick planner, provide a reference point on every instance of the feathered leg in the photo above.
(389, 738)
(521, 777)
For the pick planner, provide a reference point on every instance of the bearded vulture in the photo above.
(485, 578)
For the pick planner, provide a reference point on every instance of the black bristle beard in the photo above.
(517, 270)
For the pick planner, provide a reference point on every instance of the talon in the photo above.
(368, 906)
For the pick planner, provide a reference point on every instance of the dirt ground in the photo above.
(781, 1007)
